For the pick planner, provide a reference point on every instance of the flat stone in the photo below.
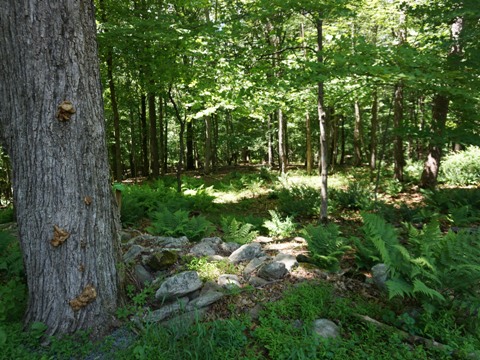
(253, 265)
(166, 311)
(205, 300)
(325, 328)
(256, 281)
(228, 248)
(179, 285)
(170, 242)
(288, 260)
(246, 252)
(132, 253)
(228, 280)
(203, 249)
(272, 271)
(142, 275)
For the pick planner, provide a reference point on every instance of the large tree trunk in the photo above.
(52, 125)
(432, 164)
(152, 116)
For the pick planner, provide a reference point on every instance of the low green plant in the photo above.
(179, 223)
(439, 270)
(278, 227)
(325, 244)
(210, 270)
(299, 201)
(462, 168)
(6, 215)
(236, 231)
(356, 197)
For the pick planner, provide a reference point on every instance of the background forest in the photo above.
(225, 118)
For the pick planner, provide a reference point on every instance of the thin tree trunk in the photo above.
(270, 151)
(208, 145)
(165, 139)
(144, 135)
(133, 148)
(282, 149)
(323, 126)
(152, 115)
(161, 139)
(117, 156)
(398, 156)
(190, 159)
(373, 135)
(51, 122)
(357, 141)
(181, 149)
(215, 143)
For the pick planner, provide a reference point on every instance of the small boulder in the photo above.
(253, 265)
(272, 271)
(256, 281)
(228, 281)
(171, 243)
(161, 260)
(179, 285)
(380, 276)
(166, 311)
(205, 300)
(142, 275)
(246, 252)
(228, 248)
(325, 328)
(288, 260)
(132, 253)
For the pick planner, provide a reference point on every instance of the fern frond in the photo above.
(420, 287)
(399, 287)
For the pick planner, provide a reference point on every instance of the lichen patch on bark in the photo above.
(88, 295)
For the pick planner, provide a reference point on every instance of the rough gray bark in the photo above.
(52, 125)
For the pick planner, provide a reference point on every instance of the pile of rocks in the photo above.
(183, 295)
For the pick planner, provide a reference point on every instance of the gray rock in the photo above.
(210, 286)
(228, 281)
(161, 260)
(142, 275)
(253, 265)
(288, 260)
(132, 253)
(272, 271)
(180, 324)
(256, 281)
(166, 311)
(246, 252)
(179, 285)
(380, 276)
(325, 328)
(205, 300)
(170, 242)
(213, 241)
(215, 258)
(228, 248)
(203, 249)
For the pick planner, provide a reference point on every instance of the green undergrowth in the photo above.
(431, 248)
